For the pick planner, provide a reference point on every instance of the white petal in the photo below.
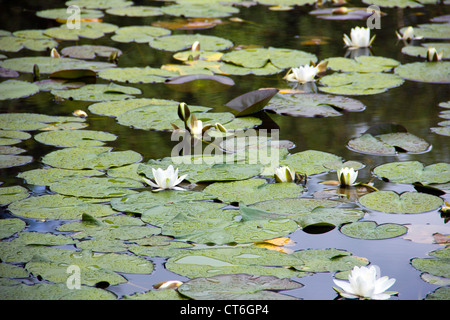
(344, 285)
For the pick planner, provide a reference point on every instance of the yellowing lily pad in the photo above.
(407, 202)
(14, 89)
(312, 105)
(9, 160)
(182, 42)
(435, 72)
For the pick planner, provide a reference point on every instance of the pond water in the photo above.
(413, 104)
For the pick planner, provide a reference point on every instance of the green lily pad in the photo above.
(253, 190)
(90, 158)
(140, 202)
(421, 51)
(362, 64)
(139, 34)
(413, 171)
(89, 51)
(99, 4)
(438, 265)
(135, 11)
(9, 160)
(286, 3)
(90, 30)
(137, 75)
(34, 121)
(238, 287)
(98, 92)
(50, 65)
(156, 295)
(43, 239)
(9, 227)
(359, 83)
(441, 293)
(47, 176)
(399, 3)
(371, 230)
(431, 30)
(63, 14)
(232, 69)
(57, 206)
(328, 217)
(47, 291)
(200, 10)
(12, 271)
(14, 89)
(12, 193)
(327, 260)
(94, 267)
(389, 144)
(96, 187)
(182, 42)
(75, 138)
(435, 72)
(312, 105)
(27, 39)
(249, 260)
(160, 117)
(407, 202)
(14, 137)
(444, 128)
(116, 108)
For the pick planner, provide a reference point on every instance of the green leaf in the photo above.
(139, 34)
(47, 176)
(182, 42)
(413, 171)
(199, 10)
(136, 75)
(8, 227)
(435, 72)
(371, 230)
(327, 260)
(98, 92)
(251, 102)
(75, 138)
(14, 89)
(362, 64)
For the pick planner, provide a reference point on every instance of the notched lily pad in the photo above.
(200, 10)
(137, 75)
(435, 72)
(371, 230)
(362, 64)
(97, 92)
(75, 138)
(90, 51)
(414, 171)
(139, 34)
(35, 121)
(183, 42)
(14, 89)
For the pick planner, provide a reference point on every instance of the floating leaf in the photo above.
(182, 42)
(8, 160)
(188, 24)
(115, 108)
(27, 39)
(97, 92)
(9, 227)
(344, 14)
(47, 176)
(441, 293)
(135, 11)
(139, 34)
(64, 14)
(312, 105)
(199, 10)
(407, 202)
(396, 3)
(90, 158)
(362, 64)
(371, 230)
(90, 51)
(253, 190)
(137, 75)
(90, 30)
(12, 193)
(413, 171)
(99, 4)
(327, 260)
(14, 89)
(435, 72)
(34, 121)
(359, 83)
(437, 266)
(421, 52)
(238, 287)
(189, 78)
(56, 206)
(431, 30)
(251, 102)
(75, 138)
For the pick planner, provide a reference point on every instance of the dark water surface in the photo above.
(413, 104)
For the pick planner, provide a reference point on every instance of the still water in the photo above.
(413, 104)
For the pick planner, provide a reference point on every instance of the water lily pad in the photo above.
(238, 287)
(97, 92)
(161, 117)
(9, 160)
(11, 226)
(135, 11)
(200, 10)
(94, 267)
(413, 171)
(371, 230)
(14, 89)
(139, 34)
(47, 176)
(441, 293)
(253, 190)
(421, 51)
(43, 239)
(359, 83)
(89, 51)
(12, 193)
(431, 30)
(75, 138)
(90, 30)
(34, 121)
(96, 187)
(90, 158)
(48, 291)
(389, 143)
(8, 73)
(394, 3)
(137, 75)
(50, 65)
(286, 3)
(312, 105)
(115, 108)
(99, 4)
(327, 260)
(362, 64)
(407, 202)
(27, 39)
(182, 42)
(140, 202)
(249, 260)
(56, 206)
(438, 265)
(63, 14)
(435, 72)
(352, 13)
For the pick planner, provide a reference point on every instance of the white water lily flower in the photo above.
(359, 38)
(433, 55)
(284, 174)
(347, 176)
(302, 74)
(165, 179)
(365, 283)
(408, 34)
